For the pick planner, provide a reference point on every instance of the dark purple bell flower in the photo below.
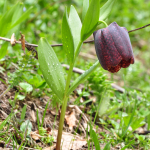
(113, 47)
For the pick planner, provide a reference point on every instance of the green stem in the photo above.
(100, 21)
(69, 77)
(65, 99)
(78, 50)
(61, 123)
(101, 100)
(81, 78)
(9, 87)
(71, 67)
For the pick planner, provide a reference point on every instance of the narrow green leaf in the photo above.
(17, 13)
(67, 39)
(94, 139)
(23, 17)
(37, 116)
(13, 17)
(148, 122)
(91, 19)
(6, 120)
(20, 147)
(44, 113)
(5, 21)
(51, 68)
(107, 146)
(124, 131)
(75, 25)
(106, 9)
(27, 125)
(85, 8)
(82, 77)
(23, 113)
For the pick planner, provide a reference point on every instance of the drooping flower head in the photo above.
(113, 47)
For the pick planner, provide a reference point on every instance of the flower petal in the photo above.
(125, 64)
(105, 49)
(98, 47)
(132, 60)
(129, 44)
(122, 40)
(114, 69)
(114, 56)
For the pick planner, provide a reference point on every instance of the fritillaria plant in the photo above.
(112, 46)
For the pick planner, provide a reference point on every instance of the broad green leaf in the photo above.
(5, 6)
(36, 80)
(94, 138)
(26, 125)
(67, 39)
(3, 49)
(103, 106)
(85, 8)
(138, 122)
(106, 9)
(51, 68)
(91, 19)
(75, 25)
(26, 86)
(21, 97)
(23, 17)
(82, 77)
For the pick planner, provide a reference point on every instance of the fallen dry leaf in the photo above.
(35, 135)
(50, 148)
(70, 141)
(48, 131)
(32, 114)
(54, 112)
(71, 119)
